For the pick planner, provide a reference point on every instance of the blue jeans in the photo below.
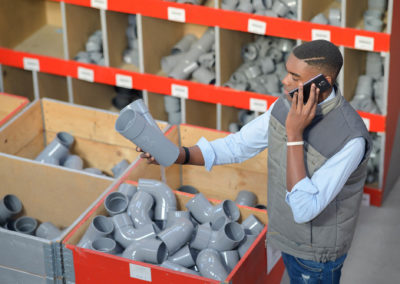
(302, 271)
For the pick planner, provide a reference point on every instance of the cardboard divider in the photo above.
(195, 114)
(355, 13)
(18, 81)
(354, 66)
(52, 86)
(10, 105)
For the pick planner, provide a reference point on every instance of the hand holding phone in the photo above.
(320, 82)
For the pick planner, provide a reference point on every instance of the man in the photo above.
(317, 157)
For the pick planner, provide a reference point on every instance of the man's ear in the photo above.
(329, 79)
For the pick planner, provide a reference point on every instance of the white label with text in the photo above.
(180, 91)
(364, 42)
(31, 64)
(320, 34)
(140, 272)
(99, 4)
(176, 14)
(86, 74)
(257, 27)
(123, 81)
(258, 105)
(367, 122)
(366, 199)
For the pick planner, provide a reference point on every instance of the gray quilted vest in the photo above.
(329, 235)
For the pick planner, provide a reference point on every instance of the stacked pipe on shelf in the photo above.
(131, 53)
(93, 50)
(373, 16)
(270, 8)
(374, 159)
(193, 2)
(144, 224)
(10, 219)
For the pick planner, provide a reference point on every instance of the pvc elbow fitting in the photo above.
(57, 150)
(116, 203)
(230, 259)
(48, 231)
(252, 225)
(246, 244)
(73, 162)
(177, 267)
(227, 238)
(162, 194)
(201, 236)
(210, 265)
(26, 225)
(140, 208)
(10, 206)
(106, 245)
(120, 168)
(125, 233)
(185, 257)
(133, 126)
(173, 216)
(177, 235)
(128, 189)
(101, 226)
(147, 250)
(184, 44)
(246, 198)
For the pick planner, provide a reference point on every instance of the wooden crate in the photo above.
(87, 266)
(48, 194)
(96, 140)
(10, 105)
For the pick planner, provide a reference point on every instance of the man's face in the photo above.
(298, 71)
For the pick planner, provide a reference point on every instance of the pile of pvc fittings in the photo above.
(131, 54)
(334, 18)
(264, 66)
(144, 225)
(374, 159)
(10, 207)
(370, 87)
(94, 50)
(270, 8)
(58, 153)
(193, 2)
(244, 117)
(373, 17)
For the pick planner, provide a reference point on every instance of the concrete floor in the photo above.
(374, 257)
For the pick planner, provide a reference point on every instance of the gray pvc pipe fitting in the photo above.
(10, 206)
(125, 233)
(267, 65)
(319, 19)
(259, 5)
(48, 230)
(281, 9)
(177, 235)
(101, 226)
(174, 117)
(207, 60)
(131, 56)
(229, 4)
(253, 71)
(140, 107)
(135, 128)
(246, 198)
(147, 250)
(130, 31)
(185, 257)
(10, 225)
(246, 244)
(73, 162)
(162, 194)
(252, 225)
(204, 75)
(116, 203)
(120, 168)
(245, 6)
(184, 44)
(172, 104)
(227, 209)
(176, 267)
(57, 150)
(169, 62)
(210, 265)
(93, 171)
(230, 258)
(201, 237)
(174, 216)
(188, 189)
(250, 52)
(141, 208)
(128, 189)
(26, 225)
(184, 69)
(106, 245)
(227, 238)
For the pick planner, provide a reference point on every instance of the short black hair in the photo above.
(321, 53)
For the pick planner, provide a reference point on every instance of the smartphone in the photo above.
(320, 82)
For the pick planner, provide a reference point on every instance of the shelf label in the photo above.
(86, 74)
(31, 64)
(140, 272)
(366, 199)
(364, 42)
(176, 14)
(180, 91)
(367, 122)
(99, 4)
(258, 105)
(320, 34)
(123, 81)
(257, 27)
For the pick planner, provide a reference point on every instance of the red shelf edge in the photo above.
(376, 195)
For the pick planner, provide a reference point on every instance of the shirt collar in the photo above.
(330, 97)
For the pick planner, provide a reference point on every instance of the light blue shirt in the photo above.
(309, 196)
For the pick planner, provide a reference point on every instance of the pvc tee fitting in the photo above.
(230, 258)
(48, 231)
(57, 150)
(140, 107)
(184, 44)
(246, 198)
(210, 265)
(10, 206)
(106, 245)
(133, 126)
(141, 208)
(177, 267)
(185, 257)
(252, 225)
(116, 203)
(162, 194)
(174, 216)
(177, 235)
(101, 226)
(147, 250)
(128, 189)
(73, 162)
(26, 225)
(120, 168)
(246, 244)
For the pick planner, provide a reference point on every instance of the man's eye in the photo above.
(295, 79)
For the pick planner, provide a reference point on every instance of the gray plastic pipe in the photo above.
(119, 168)
(177, 235)
(116, 203)
(128, 189)
(246, 198)
(135, 128)
(184, 44)
(93, 171)
(73, 162)
(177, 267)
(210, 265)
(125, 233)
(140, 107)
(246, 243)
(230, 258)
(253, 225)
(26, 225)
(57, 150)
(204, 75)
(101, 226)
(140, 208)
(147, 250)
(185, 257)
(201, 237)
(106, 245)
(173, 216)
(48, 230)
(162, 194)
(188, 189)
(227, 237)
(10, 206)
(169, 62)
